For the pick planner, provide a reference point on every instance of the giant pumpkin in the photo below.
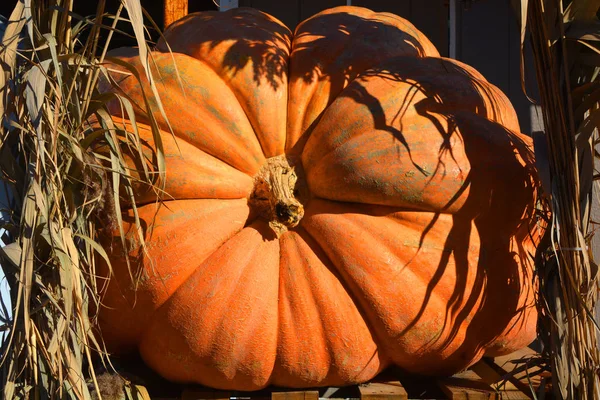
(338, 200)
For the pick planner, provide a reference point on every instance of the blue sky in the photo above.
(3, 214)
(3, 205)
(3, 289)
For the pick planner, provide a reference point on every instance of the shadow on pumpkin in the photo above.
(336, 46)
(252, 38)
(499, 202)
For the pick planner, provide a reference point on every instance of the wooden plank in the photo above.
(204, 394)
(508, 364)
(507, 360)
(466, 385)
(492, 376)
(496, 380)
(512, 379)
(392, 390)
(174, 10)
(505, 366)
(513, 395)
(296, 395)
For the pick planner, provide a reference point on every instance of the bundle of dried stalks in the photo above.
(65, 190)
(567, 61)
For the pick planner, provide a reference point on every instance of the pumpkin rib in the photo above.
(283, 300)
(167, 270)
(317, 269)
(238, 97)
(348, 282)
(343, 156)
(324, 191)
(204, 36)
(489, 93)
(404, 342)
(228, 84)
(319, 75)
(410, 28)
(374, 326)
(375, 16)
(247, 156)
(232, 269)
(206, 176)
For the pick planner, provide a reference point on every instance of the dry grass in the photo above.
(63, 190)
(567, 61)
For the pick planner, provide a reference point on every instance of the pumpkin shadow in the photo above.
(497, 207)
(254, 39)
(359, 43)
(499, 204)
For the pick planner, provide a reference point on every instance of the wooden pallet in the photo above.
(500, 378)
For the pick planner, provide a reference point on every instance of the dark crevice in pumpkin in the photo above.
(166, 201)
(373, 209)
(298, 147)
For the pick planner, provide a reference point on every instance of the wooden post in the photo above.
(174, 10)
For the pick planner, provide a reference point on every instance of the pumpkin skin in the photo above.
(415, 245)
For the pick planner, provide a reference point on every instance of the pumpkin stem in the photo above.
(274, 197)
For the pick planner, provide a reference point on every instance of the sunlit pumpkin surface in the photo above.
(418, 195)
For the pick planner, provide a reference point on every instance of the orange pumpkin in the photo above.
(340, 200)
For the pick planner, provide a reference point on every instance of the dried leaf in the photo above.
(49, 103)
(8, 48)
(12, 254)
